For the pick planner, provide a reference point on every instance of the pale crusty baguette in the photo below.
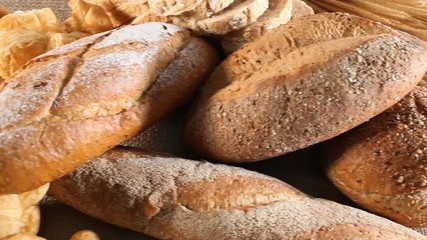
(330, 73)
(382, 164)
(76, 102)
(172, 198)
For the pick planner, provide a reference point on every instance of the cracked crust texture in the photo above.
(172, 198)
(382, 164)
(76, 102)
(268, 99)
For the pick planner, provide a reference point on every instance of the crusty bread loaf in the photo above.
(308, 81)
(382, 164)
(172, 198)
(76, 102)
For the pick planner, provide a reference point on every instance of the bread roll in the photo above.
(381, 165)
(76, 102)
(172, 198)
(85, 235)
(308, 81)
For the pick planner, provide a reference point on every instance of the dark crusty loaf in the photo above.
(308, 81)
(76, 102)
(172, 198)
(382, 164)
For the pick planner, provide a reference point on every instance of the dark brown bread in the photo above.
(172, 198)
(305, 82)
(76, 102)
(382, 164)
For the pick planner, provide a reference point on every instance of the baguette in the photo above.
(74, 103)
(381, 165)
(172, 198)
(306, 82)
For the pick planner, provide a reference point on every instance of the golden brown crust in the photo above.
(172, 198)
(76, 102)
(85, 235)
(268, 99)
(382, 164)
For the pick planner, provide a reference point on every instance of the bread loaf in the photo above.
(172, 198)
(201, 16)
(308, 81)
(381, 165)
(76, 102)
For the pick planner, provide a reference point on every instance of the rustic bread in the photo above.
(381, 165)
(278, 13)
(330, 73)
(77, 101)
(172, 198)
